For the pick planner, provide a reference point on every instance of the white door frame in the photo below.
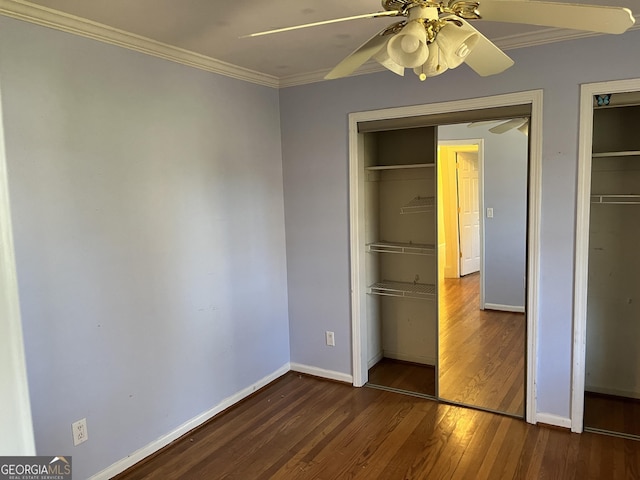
(15, 416)
(479, 142)
(356, 204)
(583, 210)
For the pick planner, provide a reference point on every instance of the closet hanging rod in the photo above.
(629, 153)
(616, 199)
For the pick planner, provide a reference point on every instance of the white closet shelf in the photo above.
(616, 199)
(403, 289)
(419, 205)
(406, 248)
(629, 153)
(399, 167)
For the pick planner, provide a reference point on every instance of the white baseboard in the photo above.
(321, 372)
(375, 360)
(423, 360)
(555, 420)
(121, 465)
(504, 308)
(612, 391)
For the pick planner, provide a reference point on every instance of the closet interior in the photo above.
(401, 260)
(612, 376)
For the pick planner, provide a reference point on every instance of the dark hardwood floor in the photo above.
(301, 427)
(411, 377)
(482, 352)
(612, 413)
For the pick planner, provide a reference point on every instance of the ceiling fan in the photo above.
(436, 34)
(503, 126)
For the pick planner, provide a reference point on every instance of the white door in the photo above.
(468, 212)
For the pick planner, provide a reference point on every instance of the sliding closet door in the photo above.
(482, 319)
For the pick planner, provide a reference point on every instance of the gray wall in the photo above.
(149, 233)
(505, 190)
(315, 160)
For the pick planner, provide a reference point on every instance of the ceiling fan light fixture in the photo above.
(456, 43)
(408, 47)
(382, 57)
(434, 66)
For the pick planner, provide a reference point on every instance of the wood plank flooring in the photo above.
(301, 427)
(408, 376)
(612, 413)
(482, 352)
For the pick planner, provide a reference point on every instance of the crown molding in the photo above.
(46, 17)
(318, 75)
(548, 35)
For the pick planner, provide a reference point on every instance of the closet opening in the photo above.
(607, 264)
(398, 252)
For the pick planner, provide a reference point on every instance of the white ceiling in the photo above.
(212, 28)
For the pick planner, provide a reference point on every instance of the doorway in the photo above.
(468, 212)
(442, 114)
(459, 200)
(606, 391)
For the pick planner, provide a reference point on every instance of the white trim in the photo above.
(533, 255)
(587, 92)
(318, 75)
(322, 373)
(47, 17)
(16, 422)
(548, 35)
(356, 209)
(359, 338)
(378, 356)
(504, 308)
(555, 420)
(121, 465)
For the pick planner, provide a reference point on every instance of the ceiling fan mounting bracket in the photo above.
(461, 8)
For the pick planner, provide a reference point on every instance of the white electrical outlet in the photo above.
(331, 339)
(80, 433)
(489, 212)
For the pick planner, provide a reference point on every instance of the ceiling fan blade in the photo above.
(593, 18)
(524, 128)
(363, 53)
(481, 123)
(486, 59)
(508, 125)
(391, 13)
